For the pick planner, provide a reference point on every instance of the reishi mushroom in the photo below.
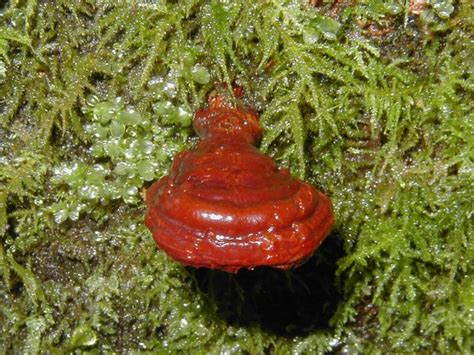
(227, 206)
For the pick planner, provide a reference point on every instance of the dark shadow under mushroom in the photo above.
(287, 303)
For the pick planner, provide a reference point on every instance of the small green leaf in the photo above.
(184, 117)
(84, 335)
(130, 117)
(311, 35)
(163, 108)
(99, 131)
(200, 74)
(122, 168)
(104, 112)
(112, 148)
(393, 8)
(32, 286)
(117, 129)
(328, 27)
(146, 170)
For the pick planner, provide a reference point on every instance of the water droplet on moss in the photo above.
(98, 172)
(88, 128)
(114, 191)
(90, 192)
(129, 194)
(129, 153)
(443, 8)
(183, 323)
(147, 147)
(60, 215)
(75, 213)
(155, 81)
(170, 89)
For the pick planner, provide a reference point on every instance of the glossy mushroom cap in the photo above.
(226, 205)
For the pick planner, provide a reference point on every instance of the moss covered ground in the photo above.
(372, 101)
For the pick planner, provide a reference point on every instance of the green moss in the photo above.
(97, 98)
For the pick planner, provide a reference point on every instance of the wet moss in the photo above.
(371, 101)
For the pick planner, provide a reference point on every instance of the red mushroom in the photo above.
(225, 205)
